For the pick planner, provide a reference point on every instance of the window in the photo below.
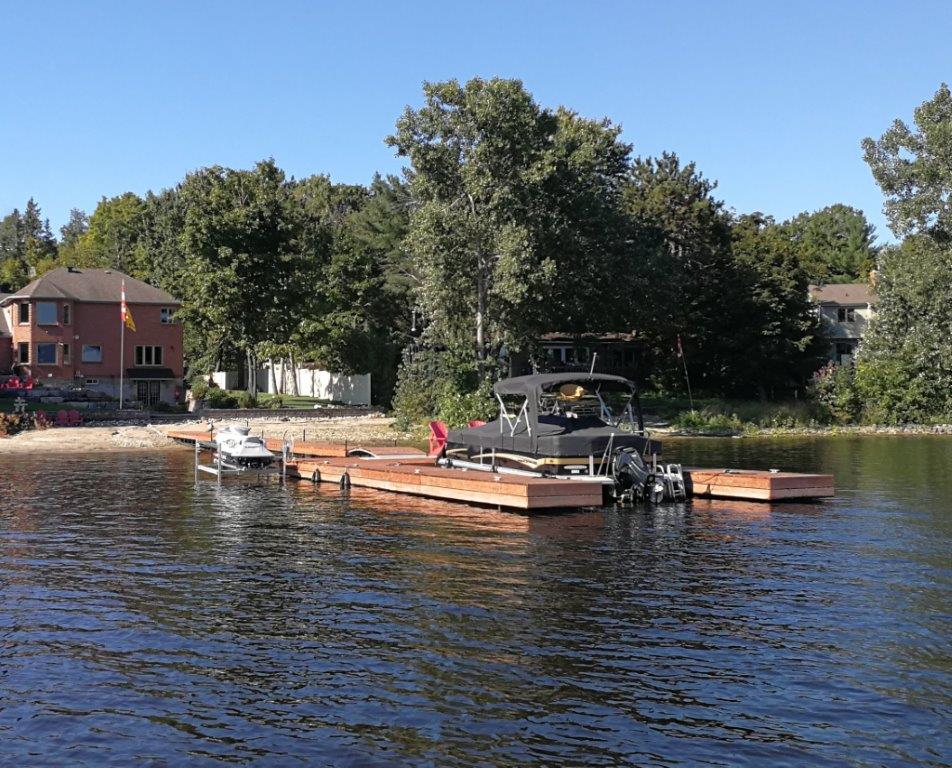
(90, 382)
(46, 313)
(66, 354)
(66, 314)
(24, 313)
(843, 349)
(165, 315)
(23, 352)
(92, 353)
(46, 354)
(845, 314)
(148, 355)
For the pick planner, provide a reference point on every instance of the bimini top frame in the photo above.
(532, 388)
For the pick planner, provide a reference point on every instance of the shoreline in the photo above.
(826, 431)
(124, 437)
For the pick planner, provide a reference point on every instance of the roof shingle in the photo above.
(859, 294)
(93, 285)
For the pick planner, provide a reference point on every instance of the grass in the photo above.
(300, 402)
(719, 416)
(6, 406)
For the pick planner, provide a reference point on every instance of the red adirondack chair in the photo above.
(74, 418)
(438, 436)
(62, 419)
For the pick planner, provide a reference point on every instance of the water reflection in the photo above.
(148, 619)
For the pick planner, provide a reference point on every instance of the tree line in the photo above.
(509, 221)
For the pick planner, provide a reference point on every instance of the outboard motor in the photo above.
(634, 480)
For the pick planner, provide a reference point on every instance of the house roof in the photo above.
(858, 294)
(558, 336)
(93, 285)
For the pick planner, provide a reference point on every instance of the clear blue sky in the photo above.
(769, 98)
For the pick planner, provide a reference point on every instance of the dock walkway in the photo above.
(405, 469)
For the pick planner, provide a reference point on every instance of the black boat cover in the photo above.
(556, 436)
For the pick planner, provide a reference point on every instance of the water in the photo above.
(144, 621)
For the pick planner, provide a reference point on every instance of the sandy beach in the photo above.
(132, 437)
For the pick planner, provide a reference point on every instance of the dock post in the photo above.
(196, 460)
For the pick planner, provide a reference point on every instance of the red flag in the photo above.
(124, 313)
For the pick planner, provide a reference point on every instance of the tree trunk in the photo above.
(252, 374)
(480, 314)
(274, 376)
(281, 380)
(294, 375)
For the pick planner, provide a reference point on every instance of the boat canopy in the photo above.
(534, 385)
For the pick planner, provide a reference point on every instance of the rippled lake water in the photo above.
(147, 621)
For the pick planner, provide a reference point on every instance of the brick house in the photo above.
(63, 330)
(844, 311)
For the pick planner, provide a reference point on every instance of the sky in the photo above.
(770, 99)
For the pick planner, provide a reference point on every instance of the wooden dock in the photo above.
(756, 485)
(405, 469)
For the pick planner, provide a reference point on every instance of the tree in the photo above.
(784, 344)
(241, 239)
(699, 293)
(27, 246)
(113, 238)
(904, 365)
(511, 220)
(914, 170)
(74, 228)
(835, 244)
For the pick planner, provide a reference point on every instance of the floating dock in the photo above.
(405, 469)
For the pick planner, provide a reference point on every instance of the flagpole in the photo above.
(122, 351)
(122, 340)
(687, 379)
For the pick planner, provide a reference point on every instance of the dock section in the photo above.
(405, 469)
(757, 485)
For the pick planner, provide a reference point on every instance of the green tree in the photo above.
(74, 228)
(904, 365)
(241, 239)
(513, 206)
(113, 238)
(914, 170)
(699, 292)
(27, 246)
(835, 244)
(784, 344)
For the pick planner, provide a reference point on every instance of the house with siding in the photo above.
(64, 330)
(845, 309)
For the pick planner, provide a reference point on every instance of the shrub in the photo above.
(457, 408)
(243, 398)
(834, 390)
(220, 398)
(11, 423)
(271, 401)
(199, 387)
(709, 421)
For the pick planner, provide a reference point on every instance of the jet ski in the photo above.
(235, 445)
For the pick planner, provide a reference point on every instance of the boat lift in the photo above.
(221, 467)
